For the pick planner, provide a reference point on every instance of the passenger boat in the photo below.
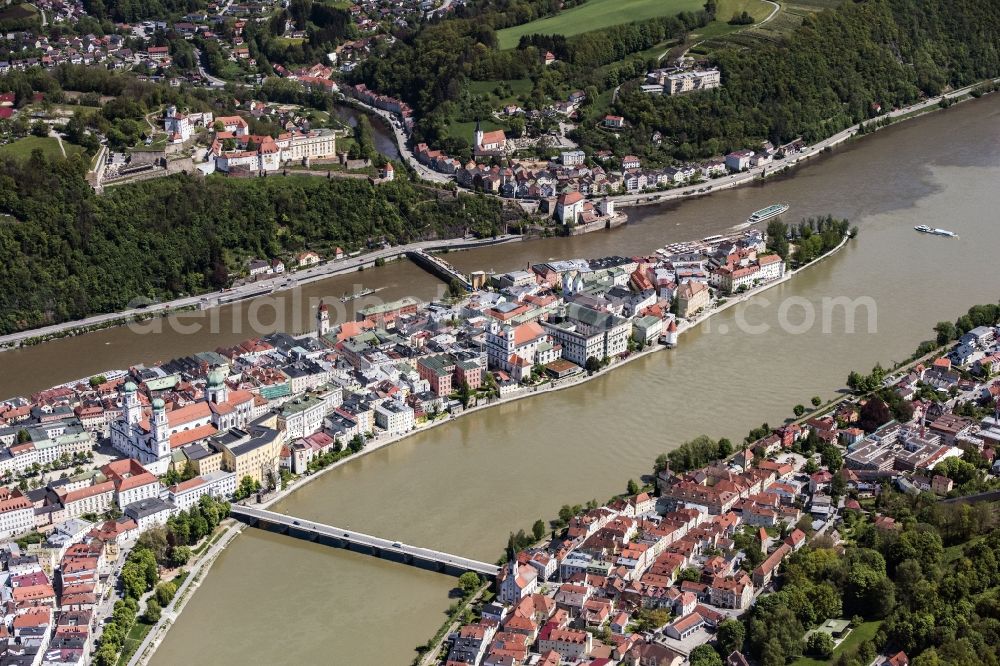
(763, 214)
(924, 229)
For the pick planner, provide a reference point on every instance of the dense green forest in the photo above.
(500, 14)
(138, 10)
(827, 75)
(68, 253)
(930, 588)
(840, 67)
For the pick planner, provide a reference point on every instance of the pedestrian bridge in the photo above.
(359, 542)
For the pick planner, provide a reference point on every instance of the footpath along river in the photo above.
(464, 486)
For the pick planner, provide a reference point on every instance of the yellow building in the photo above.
(255, 454)
(691, 297)
(202, 457)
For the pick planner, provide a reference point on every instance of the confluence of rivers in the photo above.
(464, 486)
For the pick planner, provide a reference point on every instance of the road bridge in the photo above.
(387, 549)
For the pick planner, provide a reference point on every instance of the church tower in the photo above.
(477, 136)
(322, 319)
(508, 332)
(160, 430)
(133, 408)
(216, 391)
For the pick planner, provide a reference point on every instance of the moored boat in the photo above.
(764, 214)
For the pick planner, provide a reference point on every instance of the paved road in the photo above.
(443, 9)
(279, 283)
(107, 602)
(41, 11)
(367, 540)
(734, 180)
(401, 143)
(55, 135)
(213, 82)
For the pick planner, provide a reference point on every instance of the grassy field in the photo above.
(12, 16)
(713, 35)
(857, 636)
(134, 638)
(758, 9)
(596, 14)
(465, 129)
(719, 34)
(790, 17)
(952, 553)
(70, 109)
(22, 148)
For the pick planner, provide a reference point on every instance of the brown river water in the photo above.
(464, 486)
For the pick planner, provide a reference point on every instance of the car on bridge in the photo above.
(397, 545)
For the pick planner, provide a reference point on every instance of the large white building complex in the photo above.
(237, 150)
(584, 332)
(150, 436)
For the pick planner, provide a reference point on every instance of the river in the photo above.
(385, 142)
(464, 486)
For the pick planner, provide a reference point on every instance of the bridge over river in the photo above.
(439, 267)
(338, 537)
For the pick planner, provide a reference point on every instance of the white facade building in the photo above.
(586, 333)
(394, 417)
(302, 416)
(17, 516)
(692, 81)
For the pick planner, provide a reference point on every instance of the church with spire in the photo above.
(150, 435)
(488, 144)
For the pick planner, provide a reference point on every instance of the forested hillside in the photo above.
(432, 71)
(840, 67)
(834, 71)
(138, 10)
(67, 253)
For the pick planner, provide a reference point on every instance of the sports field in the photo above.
(596, 14)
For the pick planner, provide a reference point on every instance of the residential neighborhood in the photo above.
(661, 575)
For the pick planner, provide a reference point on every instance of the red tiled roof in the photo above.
(89, 491)
(185, 437)
(193, 412)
